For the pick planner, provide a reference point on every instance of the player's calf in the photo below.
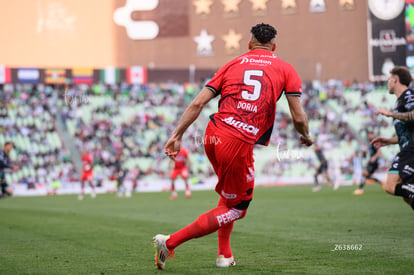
(391, 183)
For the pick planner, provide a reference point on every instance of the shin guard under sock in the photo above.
(205, 224)
(224, 240)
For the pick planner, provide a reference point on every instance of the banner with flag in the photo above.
(110, 75)
(28, 75)
(5, 74)
(137, 75)
(55, 76)
(82, 75)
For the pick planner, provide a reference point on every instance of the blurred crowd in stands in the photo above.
(135, 122)
(27, 118)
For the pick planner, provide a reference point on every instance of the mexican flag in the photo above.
(110, 75)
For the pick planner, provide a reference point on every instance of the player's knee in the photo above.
(7, 192)
(243, 205)
(242, 208)
(243, 214)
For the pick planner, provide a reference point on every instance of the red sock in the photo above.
(224, 240)
(205, 224)
(224, 236)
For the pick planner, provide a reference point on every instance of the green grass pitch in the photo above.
(286, 230)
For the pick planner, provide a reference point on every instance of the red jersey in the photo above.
(250, 85)
(181, 159)
(87, 160)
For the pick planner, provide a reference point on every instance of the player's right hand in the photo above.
(380, 142)
(172, 148)
(307, 141)
(383, 112)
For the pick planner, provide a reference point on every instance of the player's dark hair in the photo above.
(403, 74)
(263, 33)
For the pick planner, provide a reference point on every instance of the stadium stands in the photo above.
(137, 121)
(28, 121)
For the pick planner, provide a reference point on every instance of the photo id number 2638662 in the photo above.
(347, 247)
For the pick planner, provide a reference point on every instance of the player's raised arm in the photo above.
(382, 141)
(300, 119)
(405, 116)
(173, 145)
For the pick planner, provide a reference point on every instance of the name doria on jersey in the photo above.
(247, 106)
(255, 61)
(241, 125)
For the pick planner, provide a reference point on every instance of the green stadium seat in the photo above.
(144, 163)
(164, 165)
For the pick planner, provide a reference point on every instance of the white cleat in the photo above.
(225, 262)
(80, 197)
(174, 195)
(316, 188)
(161, 250)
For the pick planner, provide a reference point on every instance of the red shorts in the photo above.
(87, 176)
(183, 172)
(232, 160)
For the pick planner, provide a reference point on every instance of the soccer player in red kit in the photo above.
(249, 86)
(87, 174)
(181, 166)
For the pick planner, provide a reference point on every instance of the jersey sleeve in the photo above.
(293, 86)
(409, 101)
(216, 83)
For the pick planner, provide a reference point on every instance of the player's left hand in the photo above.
(384, 112)
(172, 147)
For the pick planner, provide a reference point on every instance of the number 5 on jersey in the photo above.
(257, 85)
